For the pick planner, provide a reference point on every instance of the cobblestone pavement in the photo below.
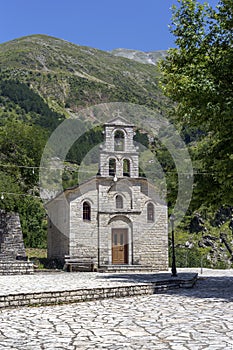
(194, 319)
(59, 281)
(40, 282)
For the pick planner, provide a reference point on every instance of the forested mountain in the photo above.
(45, 80)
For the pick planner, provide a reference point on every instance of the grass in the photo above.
(38, 257)
(36, 253)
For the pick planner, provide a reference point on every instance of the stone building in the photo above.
(114, 218)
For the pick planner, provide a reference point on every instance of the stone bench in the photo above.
(79, 264)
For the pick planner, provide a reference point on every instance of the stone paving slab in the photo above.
(60, 288)
(181, 319)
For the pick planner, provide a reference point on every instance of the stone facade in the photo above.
(115, 217)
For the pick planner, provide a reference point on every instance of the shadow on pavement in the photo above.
(206, 287)
(220, 288)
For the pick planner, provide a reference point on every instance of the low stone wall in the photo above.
(81, 295)
(16, 268)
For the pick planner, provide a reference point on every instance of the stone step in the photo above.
(6, 257)
(57, 297)
(15, 267)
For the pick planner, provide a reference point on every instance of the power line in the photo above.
(89, 171)
(16, 194)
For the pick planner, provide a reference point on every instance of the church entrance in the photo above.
(120, 246)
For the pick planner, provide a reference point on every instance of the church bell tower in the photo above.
(118, 155)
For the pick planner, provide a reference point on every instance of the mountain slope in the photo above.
(70, 77)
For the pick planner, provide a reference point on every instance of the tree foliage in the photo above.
(30, 102)
(21, 149)
(31, 211)
(198, 76)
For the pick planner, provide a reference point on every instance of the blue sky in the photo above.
(103, 24)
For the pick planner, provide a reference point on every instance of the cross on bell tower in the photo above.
(119, 156)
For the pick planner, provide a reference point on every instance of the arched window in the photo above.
(119, 141)
(86, 211)
(126, 167)
(119, 202)
(112, 167)
(150, 212)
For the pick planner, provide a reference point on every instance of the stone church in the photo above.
(115, 217)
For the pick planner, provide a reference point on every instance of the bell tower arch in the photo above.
(118, 155)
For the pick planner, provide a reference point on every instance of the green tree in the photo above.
(33, 222)
(198, 76)
(30, 102)
(21, 149)
(8, 189)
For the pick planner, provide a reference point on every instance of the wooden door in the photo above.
(120, 246)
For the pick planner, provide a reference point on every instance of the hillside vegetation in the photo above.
(71, 76)
(45, 80)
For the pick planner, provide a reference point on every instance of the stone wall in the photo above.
(73, 296)
(82, 295)
(84, 233)
(58, 228)
(151, 239)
